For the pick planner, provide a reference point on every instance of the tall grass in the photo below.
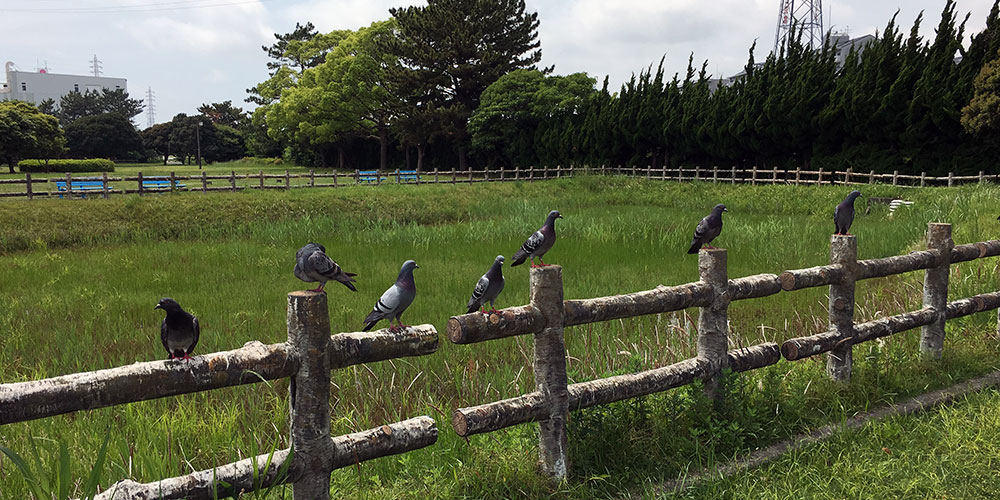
(81, 279)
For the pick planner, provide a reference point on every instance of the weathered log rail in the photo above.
(796, 176)
(713, 293)
(306, 358)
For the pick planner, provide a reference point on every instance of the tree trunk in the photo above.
(406, 154)
(165, 158)
(463, 161)
(323, 163)
(383, 142)
(420, 157)
(340, 157)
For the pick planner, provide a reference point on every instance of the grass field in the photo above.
(81, 279)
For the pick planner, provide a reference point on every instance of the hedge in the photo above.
(61, 165)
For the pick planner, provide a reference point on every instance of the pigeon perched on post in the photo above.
(843, 215)
(539, 242)
(395, 300)
(709, 227)
(312, 264)
(179, 330)
(488, 287)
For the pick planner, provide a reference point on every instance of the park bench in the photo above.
(80, 187)
(159, 184)
(369, 176)
(407, 176)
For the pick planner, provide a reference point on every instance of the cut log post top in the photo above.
(249, 474)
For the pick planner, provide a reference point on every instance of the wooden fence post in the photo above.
(435, 175)
(713, 329)
(774, 175)
(649, 172)
(104, 185)
(895, 177)
(261, 180)
(288, 180)
(69, 186)
(173, 182)
(871, 177)
(312, 178)
(819, 177)
(951, 179)
(715, 174)
(470, 174)
(397, 176)
(732, 175)
(843, 252)
(334, 178)
(27, 185)
(847, 175)
(204, 182)
(981, 178)
(550, 370)
(454, 175)
(308, 339)
(923, 179)
(936, 288)
(139, 181)
(232, 179)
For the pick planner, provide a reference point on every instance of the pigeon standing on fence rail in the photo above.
(539, 242)
(843, 215)
(709, 227)
(395, 300)
(312, 264)
(488, 287)
(179, 330)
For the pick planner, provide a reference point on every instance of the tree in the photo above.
(107, 135)
(156, 139)
(451, 50)
(223, 113)
(292, 54)
(26, 132)
(981, 117)
(76, 105)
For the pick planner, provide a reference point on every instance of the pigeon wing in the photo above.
(386, 305)
(533, 243)
(163, 336)
(322, 264)
(196, 332)
(700, 232)
(478, 293)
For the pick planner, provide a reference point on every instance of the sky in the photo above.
(191, 52)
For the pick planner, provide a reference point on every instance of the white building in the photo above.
(37, 87)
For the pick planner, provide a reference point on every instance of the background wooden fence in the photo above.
(547, 314)
(306, 358)
(36, 187)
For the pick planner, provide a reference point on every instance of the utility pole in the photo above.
(95, 66)
(199, 144)
(150, 108)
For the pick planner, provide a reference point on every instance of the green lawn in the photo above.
(81, 278)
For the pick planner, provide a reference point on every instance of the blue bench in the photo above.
(80, 187)
(408, 176)
(369, 176)
(159, 184)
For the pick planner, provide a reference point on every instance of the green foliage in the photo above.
(67, 165)
(107, 135)
(982, 115)
(54, 481)
(76, 105)
(24, 131)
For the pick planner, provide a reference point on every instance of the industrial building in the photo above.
(35, 87)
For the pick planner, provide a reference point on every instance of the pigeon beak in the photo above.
(559, 216)
(157, 306)
(416, 266)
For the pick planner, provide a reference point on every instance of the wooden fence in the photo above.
(237, 182)
(547, 314)
(306, 358)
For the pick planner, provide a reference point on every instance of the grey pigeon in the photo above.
(312, 264)
(843, 215)
(488, 287)
(395, 300)
(179, 330)
(539, 242)
(708, 229)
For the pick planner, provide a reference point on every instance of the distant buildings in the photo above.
(37, 87)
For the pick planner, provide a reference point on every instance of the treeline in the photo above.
(456, 82)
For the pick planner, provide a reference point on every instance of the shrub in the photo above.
(67, 165)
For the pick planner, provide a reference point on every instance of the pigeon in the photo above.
(489, 286)
(708, 229)
(843, 215)
(395, 300)
(312, 264)
(539, 242)
(179, 330)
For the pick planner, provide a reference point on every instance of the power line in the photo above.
(125, 9)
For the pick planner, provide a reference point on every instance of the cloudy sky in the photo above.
(198, 51)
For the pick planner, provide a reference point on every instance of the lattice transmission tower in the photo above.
(150, 108)
(804, 15)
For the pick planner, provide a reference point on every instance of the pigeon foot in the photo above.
(320, 289)
(186, 357)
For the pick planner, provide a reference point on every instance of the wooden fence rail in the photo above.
(306, 358)
(201, 182)
(547, 315)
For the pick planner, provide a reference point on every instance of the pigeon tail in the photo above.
(369, 325)
(519, 258)
(695, 246)
(349, 285)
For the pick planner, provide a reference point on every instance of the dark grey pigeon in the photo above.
(312, 264)
(539, 242)
(395, 300)
(179, 330)
(843, 215)
(488, 287)
(708, 229)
